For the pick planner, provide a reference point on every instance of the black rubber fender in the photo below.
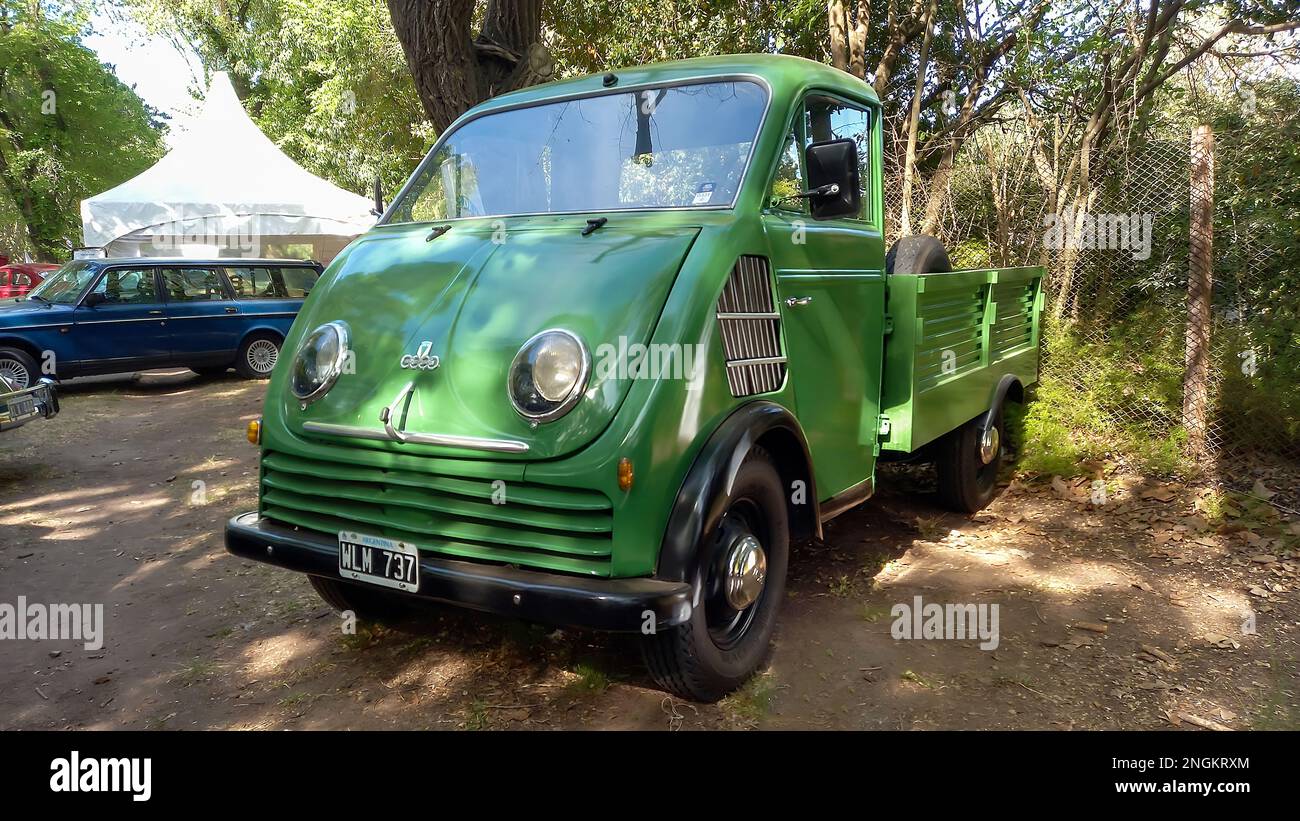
(706, 491)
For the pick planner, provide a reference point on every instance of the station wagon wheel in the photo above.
(740, 584)
(17, 368)
(257, 356)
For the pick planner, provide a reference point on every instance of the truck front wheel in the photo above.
(371, 605)
(968, 464)
(739, 587)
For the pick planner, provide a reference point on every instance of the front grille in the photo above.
(751, 329)
(541, 526)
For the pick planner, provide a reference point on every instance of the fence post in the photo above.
(1200, 285)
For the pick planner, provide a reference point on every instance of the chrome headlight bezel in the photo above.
(335, 368)
(564, 405)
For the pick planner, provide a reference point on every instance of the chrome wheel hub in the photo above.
(746, 572)
(15, 374)
(262, 355)
(990, 443)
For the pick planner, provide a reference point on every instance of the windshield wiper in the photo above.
(41, 298)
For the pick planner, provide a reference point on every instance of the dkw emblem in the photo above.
(421, 360)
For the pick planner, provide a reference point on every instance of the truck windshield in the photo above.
(65, 285)
(678, 146)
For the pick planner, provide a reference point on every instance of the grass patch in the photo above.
(294, 700)
(367, 634)
(930, 528)
(196, 671)
(590, 680)
(1115, 400)
(752, 702)
(841, 588)
(872, 613)
(476, 716)
(908, 675)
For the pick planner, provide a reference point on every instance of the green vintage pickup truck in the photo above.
(617, 344)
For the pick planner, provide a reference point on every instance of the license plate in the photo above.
(376, 560)
(18, 408)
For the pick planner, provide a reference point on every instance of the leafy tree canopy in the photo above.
(69, 128)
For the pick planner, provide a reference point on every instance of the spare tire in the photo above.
(920, 254)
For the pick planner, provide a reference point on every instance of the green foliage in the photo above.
(751, 703)
(68, 128)
(590, 679)
(590, 36)
(327, 82)
(1114, 400)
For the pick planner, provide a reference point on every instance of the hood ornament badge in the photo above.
(421, 360)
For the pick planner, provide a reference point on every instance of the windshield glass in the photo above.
(64, 285)
(671, 147)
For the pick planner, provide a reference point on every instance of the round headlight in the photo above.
(548, 375)
(319, 361)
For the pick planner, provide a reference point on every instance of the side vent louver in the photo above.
(751, 329)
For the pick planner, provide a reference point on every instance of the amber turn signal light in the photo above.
(255, 432)
(625, 474)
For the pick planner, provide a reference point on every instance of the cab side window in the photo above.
(788, 181)
(830, 119)
(127, 286)
(192, 284)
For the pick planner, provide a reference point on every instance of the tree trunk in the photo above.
(913, 122)
(454, 70)
(1200, 285)
(838, 21)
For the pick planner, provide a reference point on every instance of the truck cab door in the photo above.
(831, 295)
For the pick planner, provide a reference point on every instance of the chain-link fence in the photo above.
(1145, 353)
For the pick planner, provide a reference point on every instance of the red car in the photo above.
(18, 278)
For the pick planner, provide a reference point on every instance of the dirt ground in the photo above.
(1153, 606)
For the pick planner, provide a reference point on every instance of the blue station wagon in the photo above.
(115, 315)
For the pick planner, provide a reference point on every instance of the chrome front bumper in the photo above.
(19, 407)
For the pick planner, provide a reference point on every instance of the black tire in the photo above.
(371, 605)
(920, 254)
(211, 370)
(720, 647)
(19, 368)
(966, 483)
(250, 363)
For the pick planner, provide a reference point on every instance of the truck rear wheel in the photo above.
(741, 582)
(968, 464)
(371, 605)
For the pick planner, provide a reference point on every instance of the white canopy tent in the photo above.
(224, 190)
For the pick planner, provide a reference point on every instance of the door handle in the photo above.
(155, 313)
(796, 301)
(232, 310)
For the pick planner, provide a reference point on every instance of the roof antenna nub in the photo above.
(611, 79)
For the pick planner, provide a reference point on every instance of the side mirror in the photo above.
(833, 175)
(378, 209)
(94, 298)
